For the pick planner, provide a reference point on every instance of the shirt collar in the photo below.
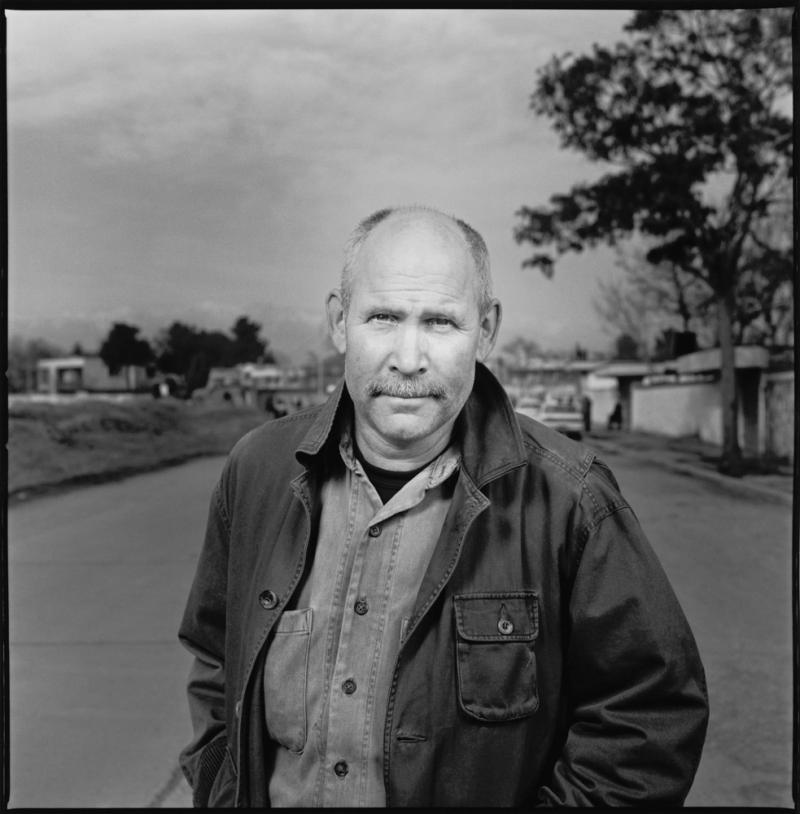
(436, 472)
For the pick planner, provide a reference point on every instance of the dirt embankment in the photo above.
(57, 445)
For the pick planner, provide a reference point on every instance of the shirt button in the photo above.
(238, 709)
(268, 599)
(506, 627)
(361, 606)
(349, 686)
(374, 531)
(341, 768)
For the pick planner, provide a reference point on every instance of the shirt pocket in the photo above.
(495, 659)
(286, 679)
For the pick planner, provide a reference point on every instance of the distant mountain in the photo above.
(292, 333)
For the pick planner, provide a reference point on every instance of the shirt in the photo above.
(328, 671)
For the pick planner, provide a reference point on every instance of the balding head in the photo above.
(412, 320)
(428, 218)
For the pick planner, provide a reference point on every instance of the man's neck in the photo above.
(379, 454)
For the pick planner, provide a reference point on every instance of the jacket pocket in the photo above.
(495, 659)
(286, 679)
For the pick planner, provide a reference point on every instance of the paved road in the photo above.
(97, 582)
(98, 578)
(729, 559)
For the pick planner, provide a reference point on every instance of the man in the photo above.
(411, 596)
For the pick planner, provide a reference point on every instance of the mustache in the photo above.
(408, 388)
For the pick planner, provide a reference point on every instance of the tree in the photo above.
(180, 344)
(247, 344)
(123, 349)
(689, 114)
(647, 300)
(197, 373)
(765, 311)
(176, 346)
(627, 347)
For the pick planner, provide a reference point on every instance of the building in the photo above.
(611, 383)
(275, 389)
(87, 374)
(522, 377)
(685, 400)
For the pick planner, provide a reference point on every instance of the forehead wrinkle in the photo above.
(403, 254)
(437, 292)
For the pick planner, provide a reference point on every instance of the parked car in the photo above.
(562, 413)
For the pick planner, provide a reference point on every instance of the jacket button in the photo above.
(238, 709)
(341, 768)
(361, 606)
(374, 531)
(349, 686)
(268, 599)
(506, 627)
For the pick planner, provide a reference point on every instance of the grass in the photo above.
(56, 445)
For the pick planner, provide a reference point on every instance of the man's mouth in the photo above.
(409, 392)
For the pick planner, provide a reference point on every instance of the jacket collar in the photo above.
(491, 441)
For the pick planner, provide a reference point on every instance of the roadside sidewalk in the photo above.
(695, 458)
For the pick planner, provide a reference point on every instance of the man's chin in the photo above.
(405, 427)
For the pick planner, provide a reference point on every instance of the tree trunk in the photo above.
(731, 460)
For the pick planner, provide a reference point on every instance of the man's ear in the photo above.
(335, 311)
(490, 325)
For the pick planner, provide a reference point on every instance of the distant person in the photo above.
(279, 407)
(586, 409)
(412, 596)
(615, 419)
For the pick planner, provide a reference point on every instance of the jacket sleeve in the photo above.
(202, 633)
(637, 704)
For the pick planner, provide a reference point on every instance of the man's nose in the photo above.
(409, 355)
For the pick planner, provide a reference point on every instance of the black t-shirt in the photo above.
(387, 482)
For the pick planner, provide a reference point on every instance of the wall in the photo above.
(780, 414)
(97, 378)
(603, 401)
(678, 409)
(604, 393)
(766, 414)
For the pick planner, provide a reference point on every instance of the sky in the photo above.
(200, 165)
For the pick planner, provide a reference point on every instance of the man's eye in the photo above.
(440, 322)
(382, 316)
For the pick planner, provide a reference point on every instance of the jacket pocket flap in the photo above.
(497, 617)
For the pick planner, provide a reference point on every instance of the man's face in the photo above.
(411, 337)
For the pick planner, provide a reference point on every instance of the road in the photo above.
(97, 582)
(98, 578)
(729, 560)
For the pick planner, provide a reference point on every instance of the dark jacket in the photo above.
(596, 696)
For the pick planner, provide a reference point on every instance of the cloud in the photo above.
(151, 85)
(160, 155)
